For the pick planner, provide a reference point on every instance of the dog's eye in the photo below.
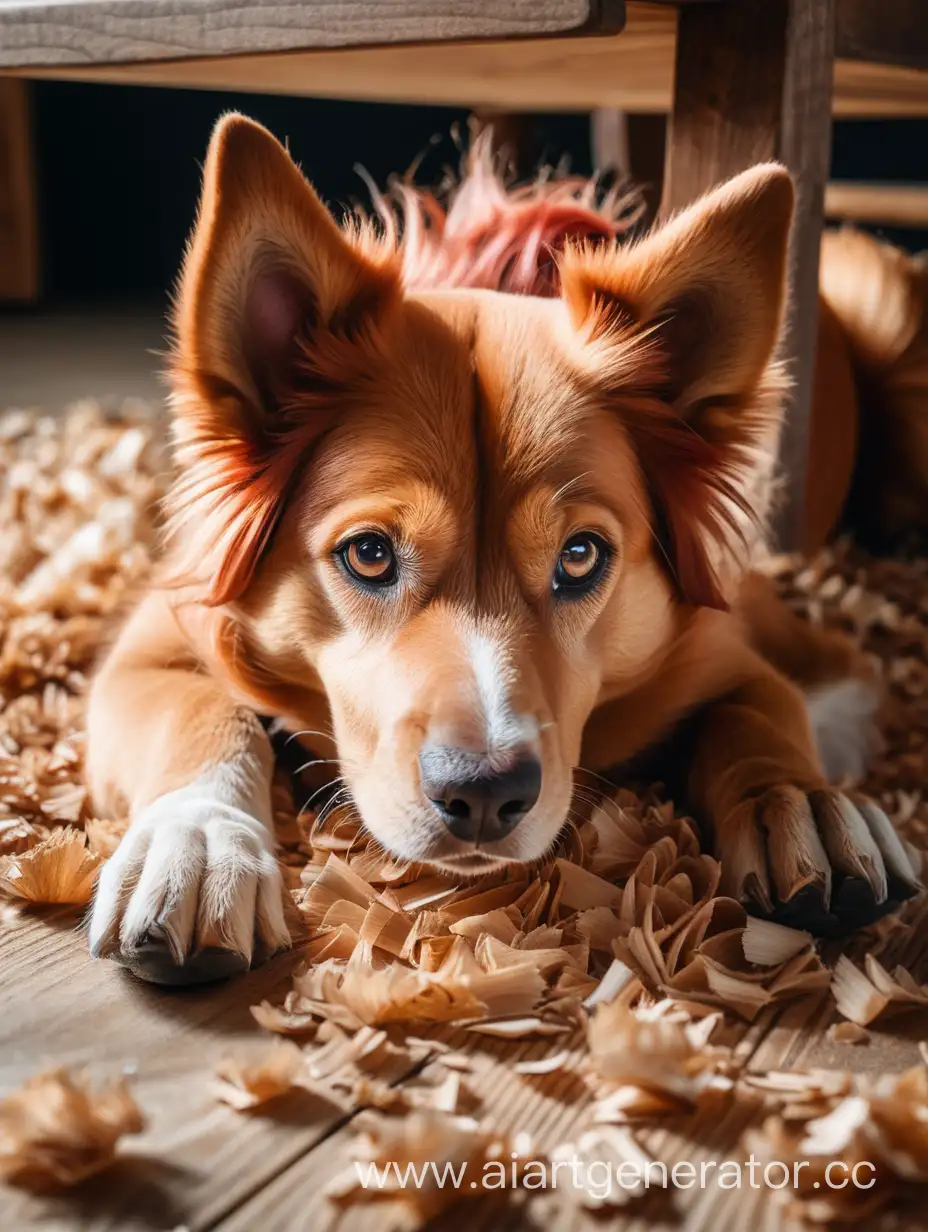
(370, 558)
(580, 566)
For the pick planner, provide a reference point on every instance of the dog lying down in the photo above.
(473, 506)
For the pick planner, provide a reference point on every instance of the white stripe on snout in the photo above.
(495, 676)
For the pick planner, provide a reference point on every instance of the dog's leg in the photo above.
(790, 845)
(193, 892)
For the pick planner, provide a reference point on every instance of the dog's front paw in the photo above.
(193, 893)
(817, 860)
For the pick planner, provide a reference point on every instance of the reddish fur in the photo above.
(232, 489)
(693, 483)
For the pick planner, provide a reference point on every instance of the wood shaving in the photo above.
(769, 945)
(862, 996)
(848, 1033)
(59, 869)
(18, 835)
(76, 531)
(649, 1064)
(459, 987)
(617, 980)
(420, 1139)
(344, 1056)
(456, 1060)
(663, 927)
(103, 837)
(245, 1082)
(57, 1130)
(543, 1065)
(609, 1145)
(448, 1095)
(519, 1028)
(291, 1018)
(876, 1122)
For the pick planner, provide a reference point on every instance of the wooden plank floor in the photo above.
(199, 1165)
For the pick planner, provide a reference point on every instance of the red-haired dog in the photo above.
(473, 517)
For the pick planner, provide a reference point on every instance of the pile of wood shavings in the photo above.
(77, 497)
(519, 954)
(621, 936)
(875, 1124)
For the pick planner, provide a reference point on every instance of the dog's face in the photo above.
(463, 573)
(440, 509)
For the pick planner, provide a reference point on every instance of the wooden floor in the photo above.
(199, 1164)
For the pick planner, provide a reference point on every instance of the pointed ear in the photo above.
(274, 304)
(266, 269)
(682, 328)
(705, 291)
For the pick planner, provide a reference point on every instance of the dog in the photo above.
(474, 506)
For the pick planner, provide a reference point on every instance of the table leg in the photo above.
(19, 264)
(754, 82)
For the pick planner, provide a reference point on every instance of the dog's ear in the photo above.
(266, 270)
(704, 292)
(682, 328)
(274, 304)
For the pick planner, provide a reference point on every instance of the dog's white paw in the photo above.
(192, 893)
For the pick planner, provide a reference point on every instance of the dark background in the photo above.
(118, 169)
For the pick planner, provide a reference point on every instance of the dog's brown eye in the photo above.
(580, 566)
(370, 558)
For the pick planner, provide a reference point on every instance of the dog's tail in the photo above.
(879, 295)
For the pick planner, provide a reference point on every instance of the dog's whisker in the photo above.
(565, 487)
(341, 796)
(345, 804)
(310, 731)
(588, 796)
(318, 761)
(593, 774)
(328, 806)
(319, 790)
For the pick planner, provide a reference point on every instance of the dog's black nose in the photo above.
(476, 803)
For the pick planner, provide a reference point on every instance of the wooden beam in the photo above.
(633, 143)
(123, 31)
(888, 205)
(647, 152)
(754, 82)
(609, 140)
(883, 31)
(632, 71)
(19, 244)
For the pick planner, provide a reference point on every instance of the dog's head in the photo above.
(463, 517)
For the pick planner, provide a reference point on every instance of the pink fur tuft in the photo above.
(496, 238)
